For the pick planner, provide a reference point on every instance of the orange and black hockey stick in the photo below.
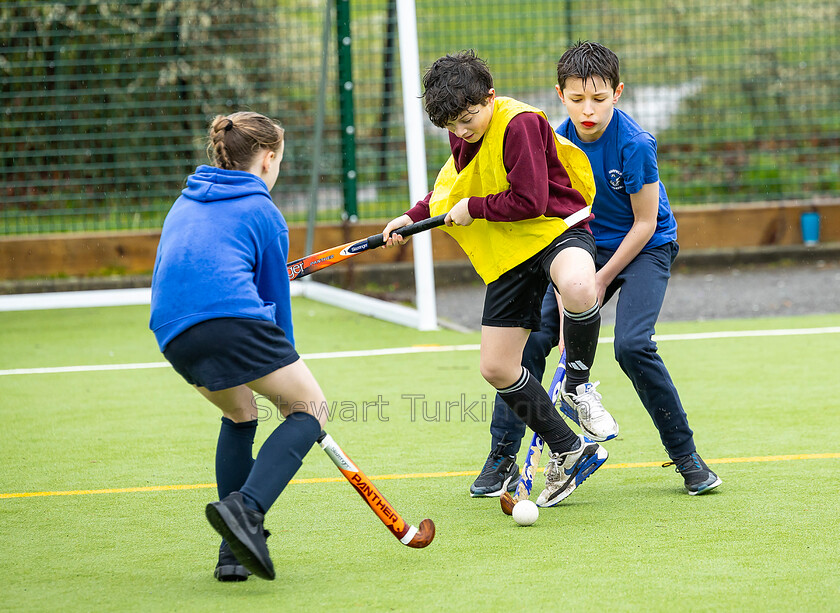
(317, 261)
(407, 534)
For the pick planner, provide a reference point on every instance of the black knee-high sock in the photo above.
(279, 459)
(234, 455)
(531, 403)
(580, 334)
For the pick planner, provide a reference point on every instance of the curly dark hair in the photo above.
(586, 60)
(453, 84)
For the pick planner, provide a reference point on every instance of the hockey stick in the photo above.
(532, 460)
(407, 534)
(317, 261)
(526, 479)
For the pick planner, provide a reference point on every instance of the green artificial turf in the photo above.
(629, 540)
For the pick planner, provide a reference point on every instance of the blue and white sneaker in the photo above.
(555, 389)
(566, 471)
(585, 409)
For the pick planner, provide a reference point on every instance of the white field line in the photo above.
(76, 300)
(367, 353)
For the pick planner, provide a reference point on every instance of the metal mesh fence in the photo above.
(104, 105)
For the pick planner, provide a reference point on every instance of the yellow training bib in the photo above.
(495, 247)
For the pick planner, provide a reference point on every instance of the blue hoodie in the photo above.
(222, 253)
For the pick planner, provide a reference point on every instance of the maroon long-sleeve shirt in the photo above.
(539, 184)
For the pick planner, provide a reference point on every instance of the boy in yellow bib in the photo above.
(517, 199)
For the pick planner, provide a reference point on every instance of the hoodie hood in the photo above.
(211, 184)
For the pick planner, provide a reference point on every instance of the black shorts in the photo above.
(226, 352)
(514, 300)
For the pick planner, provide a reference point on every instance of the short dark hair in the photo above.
(586, 60)
(453, 84)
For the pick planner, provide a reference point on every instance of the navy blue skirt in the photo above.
(226, 352)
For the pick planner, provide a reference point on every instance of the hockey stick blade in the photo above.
(532, 460)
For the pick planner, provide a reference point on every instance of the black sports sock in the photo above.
(234, 455)
(531, 403)
(279, 459)
(580, 334)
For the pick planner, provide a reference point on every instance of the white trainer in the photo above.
(593, 418)
(566, 471)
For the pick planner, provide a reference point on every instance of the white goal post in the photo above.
(424, 316)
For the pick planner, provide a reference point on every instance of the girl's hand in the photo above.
(459, 215)
(395, 224)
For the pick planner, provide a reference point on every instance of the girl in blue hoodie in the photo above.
(221, 314)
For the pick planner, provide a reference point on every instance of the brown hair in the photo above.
(235, 139)
(586, 60)
(453, 84)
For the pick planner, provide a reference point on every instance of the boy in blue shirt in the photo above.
(635, 233)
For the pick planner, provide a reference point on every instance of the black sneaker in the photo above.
(243, 529)
(699, 479)
(497, 469)
(228, 568)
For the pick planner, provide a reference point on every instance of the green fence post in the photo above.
(345, 96)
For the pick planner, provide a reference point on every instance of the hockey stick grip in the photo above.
(420, 226)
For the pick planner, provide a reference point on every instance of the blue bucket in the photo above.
(810, 228)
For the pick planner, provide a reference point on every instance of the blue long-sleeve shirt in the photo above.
(222, 253)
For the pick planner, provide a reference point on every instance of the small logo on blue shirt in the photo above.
(616, 180)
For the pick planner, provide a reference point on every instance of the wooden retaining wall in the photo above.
(701, 228)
